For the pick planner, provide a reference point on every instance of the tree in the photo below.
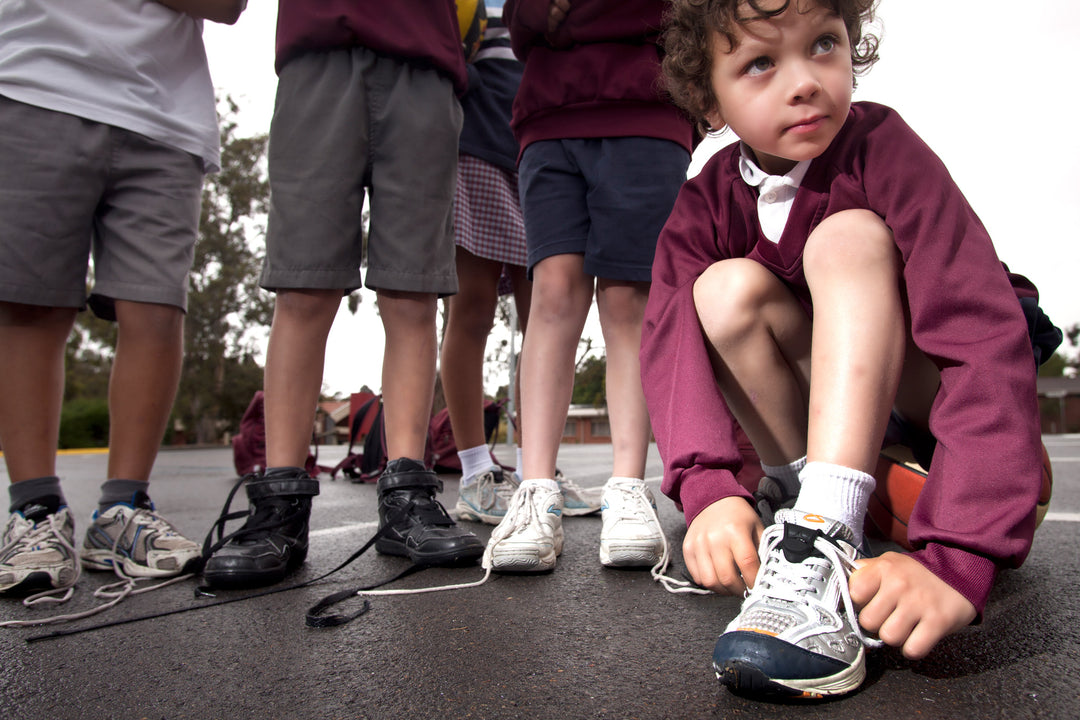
(228, 314)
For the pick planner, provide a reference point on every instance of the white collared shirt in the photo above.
(776, 193)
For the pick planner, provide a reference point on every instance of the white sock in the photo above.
(474, 461)
(786, 475)
(836, 492)
(520, 466)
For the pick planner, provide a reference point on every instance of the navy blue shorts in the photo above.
(604, 198)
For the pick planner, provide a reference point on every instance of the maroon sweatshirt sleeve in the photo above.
(694, 430)
(976, 511)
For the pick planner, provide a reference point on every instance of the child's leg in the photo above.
(759, 340)
(408, 374)
(142, 386)
(853, 270)
(522, 303)
(562, 295)
(31, 386)
(293, 374)
(468, 325)
(621, 307)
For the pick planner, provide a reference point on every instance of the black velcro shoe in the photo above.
(414, 524)
(273, 540)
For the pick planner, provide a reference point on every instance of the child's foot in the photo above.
(797, 633)
(577, 500)
(140, 541)
(631, 534)
(414, 524)
(530, 536)
(485, 499)
(38, 551)
(273, 541)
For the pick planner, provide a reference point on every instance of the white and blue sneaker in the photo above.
(486, 498)
(133, 537)
(797, 633)
(530, 536)
(37, 549)
(630, 535)
(576, 499)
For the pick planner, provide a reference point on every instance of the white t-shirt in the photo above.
(133, 64)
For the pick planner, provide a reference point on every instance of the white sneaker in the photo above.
(530, 536)
(578, 500)
(797, 632)
(486, 498)
(38, 551)
(631, 534)
(140, 541)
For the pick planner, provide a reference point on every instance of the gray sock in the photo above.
(24, 491)
(116, 490)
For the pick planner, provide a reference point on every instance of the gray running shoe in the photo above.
(138, 540)
(38, 552)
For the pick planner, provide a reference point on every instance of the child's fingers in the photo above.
(864, 582)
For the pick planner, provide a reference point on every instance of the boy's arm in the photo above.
(976, 512)
(220, 11)
(694, 430)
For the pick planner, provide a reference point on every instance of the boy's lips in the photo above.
(808, 125)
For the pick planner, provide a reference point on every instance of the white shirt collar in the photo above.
(776, 193)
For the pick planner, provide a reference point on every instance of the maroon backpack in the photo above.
(444, 449)
(249, 444)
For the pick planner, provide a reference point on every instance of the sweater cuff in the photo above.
(703, 488)
(969, 574)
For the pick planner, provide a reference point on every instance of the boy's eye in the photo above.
(824, 45)
(758, 66)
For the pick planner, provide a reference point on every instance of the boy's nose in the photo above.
(804, 84)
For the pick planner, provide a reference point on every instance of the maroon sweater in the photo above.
(423, 32)
(597, 76)
(976, 511)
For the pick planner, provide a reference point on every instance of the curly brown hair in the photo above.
(688, 32)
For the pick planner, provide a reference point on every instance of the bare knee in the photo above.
(306, 306)
(729, 297)
(852, 241)
(621, 304)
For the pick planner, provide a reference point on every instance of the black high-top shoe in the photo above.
(416, 524)
(274, 539)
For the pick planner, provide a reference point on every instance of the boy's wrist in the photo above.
(970, 574)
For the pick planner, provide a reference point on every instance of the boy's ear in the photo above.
(715, 119)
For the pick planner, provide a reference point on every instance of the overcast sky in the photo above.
(990, 86)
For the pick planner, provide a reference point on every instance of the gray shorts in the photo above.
(350, 120)
(71, 189)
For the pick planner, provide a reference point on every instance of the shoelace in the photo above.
(40, 533)
(113, 593)
(795, 582)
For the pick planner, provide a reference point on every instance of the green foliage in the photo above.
(84, 423)
(589, 387)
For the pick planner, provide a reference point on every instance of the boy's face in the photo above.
(785, 88)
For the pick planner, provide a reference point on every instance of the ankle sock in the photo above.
(118, 490)
(45, 490)
(787, 475)
(474, 460)
(836, 492)
(518, 459)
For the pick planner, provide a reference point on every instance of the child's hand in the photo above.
(721, 546)
(557, 13)
(906, 605)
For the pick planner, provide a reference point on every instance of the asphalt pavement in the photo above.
(580, 642)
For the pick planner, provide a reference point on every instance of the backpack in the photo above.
(249, 444)
(368, 464)
(444, 449)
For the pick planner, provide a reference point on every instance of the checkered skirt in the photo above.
(487, 212)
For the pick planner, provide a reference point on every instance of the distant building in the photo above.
(587, 424)
(1059, 405)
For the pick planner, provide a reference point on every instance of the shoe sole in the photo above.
(629, 556)
(464, 555)
(580, 511)
(103, 560)
(39, 581)
(745, 678)
(464, 511)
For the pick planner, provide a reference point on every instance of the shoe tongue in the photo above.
(140, 499)
(802, 529)
(40, 508)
